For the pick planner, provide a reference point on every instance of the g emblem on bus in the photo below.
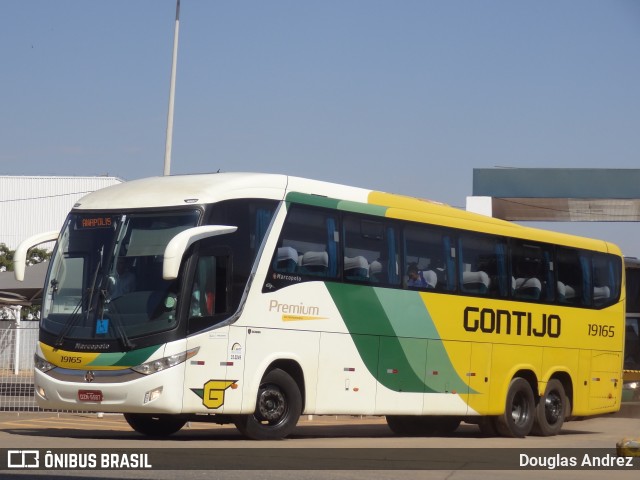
(89, 376)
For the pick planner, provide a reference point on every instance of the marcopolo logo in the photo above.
(23, 459)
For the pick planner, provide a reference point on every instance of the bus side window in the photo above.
(574, 277)
(606, 287)
(482, 264)
(370, 250)
(210, 285)
(308, 243)
(204, 288)
(532, 273)
(428, 250)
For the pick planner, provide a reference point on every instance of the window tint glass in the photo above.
(606, 279)
(574, 277)
(532, 275)
(482, 265)
(428, 262)
(308, 244)
(370, 251)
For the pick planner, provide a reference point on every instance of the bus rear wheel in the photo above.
(518, 417)
(155, 425)
(278, 408)
(551, 410)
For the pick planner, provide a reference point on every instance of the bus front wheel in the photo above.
(154, 425)
(518, 417)
(551, 410)
(278, 408)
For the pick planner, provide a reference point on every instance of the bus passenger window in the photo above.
(286, 260)
(482, 264)
(370, 251)
(532, 273)
(574, 277)
(606, 271)
(308, 244)
(428, 261)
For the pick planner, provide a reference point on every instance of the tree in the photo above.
(34, 256)
(6, 258)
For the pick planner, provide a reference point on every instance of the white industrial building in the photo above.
(34, 204)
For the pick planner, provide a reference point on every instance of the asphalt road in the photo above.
(320, 448)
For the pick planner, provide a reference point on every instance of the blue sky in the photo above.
(402, 96)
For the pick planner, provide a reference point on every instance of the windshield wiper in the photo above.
(117, 323)
(70, 323)
(73, 318)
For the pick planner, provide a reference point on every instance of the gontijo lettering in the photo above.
(488, 320)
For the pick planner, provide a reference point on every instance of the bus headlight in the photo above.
(41, 364)
(165, 362)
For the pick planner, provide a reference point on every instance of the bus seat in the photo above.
(430, 277)
(566, 293)
(601, 293)
(475, 282)
(375, 271)
(286, 259)
(528, 288)
(314, 263)
(356, 268)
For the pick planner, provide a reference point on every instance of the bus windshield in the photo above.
(105, 281)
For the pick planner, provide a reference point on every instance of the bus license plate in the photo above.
(90, 395)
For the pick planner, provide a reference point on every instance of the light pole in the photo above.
(172, 93)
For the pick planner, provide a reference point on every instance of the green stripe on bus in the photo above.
(313, 200)
(128, 359)
(406, 332)
(332, 203)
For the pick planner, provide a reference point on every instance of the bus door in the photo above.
(212, 373)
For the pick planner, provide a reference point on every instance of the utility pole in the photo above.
(172, 93)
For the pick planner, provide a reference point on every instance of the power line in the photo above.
(44, 197)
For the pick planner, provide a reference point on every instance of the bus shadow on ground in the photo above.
(229, 433)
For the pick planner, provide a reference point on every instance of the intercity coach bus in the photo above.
(255, 298)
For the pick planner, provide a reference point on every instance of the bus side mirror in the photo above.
(181, 242)
(20, 255)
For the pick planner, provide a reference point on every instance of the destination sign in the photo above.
(94, 222)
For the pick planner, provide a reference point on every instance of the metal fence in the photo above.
(17, 346)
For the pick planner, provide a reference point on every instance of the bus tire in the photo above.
(278, 408)
(519, 414)
(487, 426)
(155, 425)
(551, 410)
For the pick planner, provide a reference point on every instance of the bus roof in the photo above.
(180, 190)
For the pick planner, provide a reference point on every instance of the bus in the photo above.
(631, 374)
(253, 299)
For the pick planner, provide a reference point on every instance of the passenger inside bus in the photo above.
(420, 278)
